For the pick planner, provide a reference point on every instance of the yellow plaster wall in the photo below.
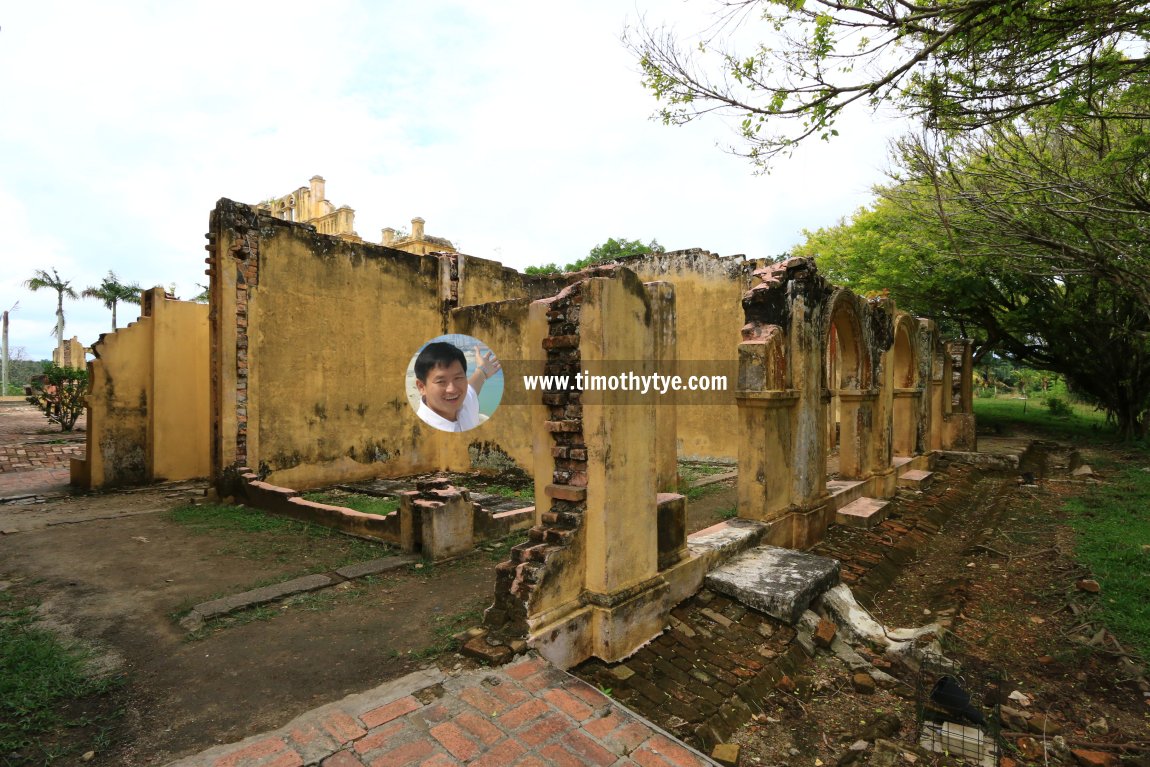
(507, 436)
(332, 327)
(148, 416)
(708, 292)
(119, 406)
(482, 281)
(179, 444)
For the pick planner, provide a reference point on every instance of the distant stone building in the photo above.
(309, 205)
(70, 354)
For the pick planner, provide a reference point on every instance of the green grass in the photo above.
(40, 675)
(526, 493)
(1112, 525)
(691, 472)
(447, 626)
(367, 504)
(1004, 415)
(255, 535)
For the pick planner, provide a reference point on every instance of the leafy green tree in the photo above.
(41, 280)
(60, 394)
(959, 64)
(111, 291)
(607, 251)
(1028, 237)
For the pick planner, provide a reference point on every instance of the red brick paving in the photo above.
(30, 464)
(526, 713)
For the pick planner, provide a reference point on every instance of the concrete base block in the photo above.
(915, 479)
(779, 582)
(864, 513)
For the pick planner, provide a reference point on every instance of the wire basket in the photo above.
(957, 709)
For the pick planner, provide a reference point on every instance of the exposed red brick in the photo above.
(567, 493)
(591, 751)
(405, 755)
(560, 757)
(380, 737)
(587, 693)
(486, 732)
(517, 717)
(569, 704)
(341, 759)
(342, 727)
(261, 748)
(543, 730)
(502, 755)
(525, 668)
(456, 741)
(384, 714)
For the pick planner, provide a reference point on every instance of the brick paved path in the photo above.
(32, 462)
(526, 713)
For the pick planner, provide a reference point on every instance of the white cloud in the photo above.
(518, 130)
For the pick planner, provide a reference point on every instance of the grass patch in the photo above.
(447, 626)
(46, 691)
(1112, 525)
(252, 534)
(506, 491)
(691, 472)
(366, 504)
(1003, 415)
(695, 493)
(500, 550)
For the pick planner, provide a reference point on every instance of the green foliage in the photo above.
(254, 535)
(957, 65)
(41, 280)
(611, 250)
(111, 291)
(39, 675)
(1025, 237)
(1012, 415)
(1111, 525)
(1058, 407)
(59, 392)
(368, 504)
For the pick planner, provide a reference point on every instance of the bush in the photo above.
(60, 394)
(1058, 407)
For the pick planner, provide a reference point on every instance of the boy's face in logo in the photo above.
(444, 390)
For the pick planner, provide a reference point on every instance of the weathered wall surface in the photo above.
(311, 340)
(312, 337)
(148, 415)
(708, 289)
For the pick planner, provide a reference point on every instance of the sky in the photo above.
(518, 130)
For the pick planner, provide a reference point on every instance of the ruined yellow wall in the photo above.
(179, 425)
(506, 439)
(482, 281)
(118, 407)
(148, 417)
(708, 292)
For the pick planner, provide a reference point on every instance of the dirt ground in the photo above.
(1002, 570)
(116, 571)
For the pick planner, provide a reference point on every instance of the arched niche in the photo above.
(847, 377)
(907, 387)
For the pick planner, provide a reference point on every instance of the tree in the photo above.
(111, 291)
(610, 250)
(41, 280)
(60, 393)
(1030, 237)
(960, 64)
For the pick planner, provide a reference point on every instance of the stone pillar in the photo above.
(417, 228)
(766, 414)
(664, 359)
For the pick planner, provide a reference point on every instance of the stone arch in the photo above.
(847, 376)
(907, 386)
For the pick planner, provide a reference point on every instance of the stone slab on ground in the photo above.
(779, 582)
(262, 595)
(915, 478)
(528, 712)
(864, 513)
(375, 566)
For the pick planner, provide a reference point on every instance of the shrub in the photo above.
(1058, 407)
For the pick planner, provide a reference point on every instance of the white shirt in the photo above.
(467, 418)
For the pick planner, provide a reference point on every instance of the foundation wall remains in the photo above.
(148, 415)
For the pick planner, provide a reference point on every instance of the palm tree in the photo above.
(41, 279)
(112, 291)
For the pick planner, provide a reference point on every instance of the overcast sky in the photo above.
(519, 130)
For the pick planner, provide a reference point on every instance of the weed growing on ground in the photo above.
(526, 494)
(1112, 530)
(40, 675)
(447, 626)
(254, 535)
(367, 504)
